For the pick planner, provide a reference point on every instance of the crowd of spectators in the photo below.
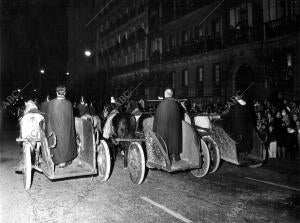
(279, 121)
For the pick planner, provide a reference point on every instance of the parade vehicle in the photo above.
(150, 150)
(206, 140)
(231, 136)
(93, 157)
(203, 125)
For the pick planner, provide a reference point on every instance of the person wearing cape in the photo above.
(168, 124)
(60, 120)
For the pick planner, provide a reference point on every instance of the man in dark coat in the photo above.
(82, 107)
(44, 104)
(61, 122)
(238, 123)
(167, 123)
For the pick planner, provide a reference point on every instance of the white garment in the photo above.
(202, 121)
(272, 150)
(108, 128)
(187, 118)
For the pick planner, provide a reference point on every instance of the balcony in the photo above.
(155, 57)
(128, 68)
(242, 34)
(282, 26)
(171, 53)
(193, 47)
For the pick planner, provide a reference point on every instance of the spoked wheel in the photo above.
(136, 163)
(27, 167)
(214, 152)
(103, 161)
(205, 161)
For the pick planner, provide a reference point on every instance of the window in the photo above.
(173, 79)
(132, 57)
(185, 78)
(289, 60)
(171, 41)
(217, 71)
(199, 78)
(199, 32)
(156, 45)
(216, 24)
(272, 7)
(241, 16)
(107, 25)
(184, 37)
(200, 74)
(140, 54)
(276, 9)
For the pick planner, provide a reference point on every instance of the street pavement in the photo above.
(270, 193)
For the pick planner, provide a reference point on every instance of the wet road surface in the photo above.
(232, 194)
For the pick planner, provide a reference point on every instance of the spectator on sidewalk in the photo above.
(292, 142)
(298, 137)
(272, 144)
(280, 133)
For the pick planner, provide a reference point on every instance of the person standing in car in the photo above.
(168, 124)
(60, 120)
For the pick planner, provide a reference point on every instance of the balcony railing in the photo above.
(242, 34)
(193, 47)
(282, 26)
(128, 68)
(155, 57)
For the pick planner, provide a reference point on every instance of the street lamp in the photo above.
(87, 53)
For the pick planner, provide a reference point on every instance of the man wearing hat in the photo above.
(61, 122)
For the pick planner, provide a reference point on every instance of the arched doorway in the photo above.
(244, 76)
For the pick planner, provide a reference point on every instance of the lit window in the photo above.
(185, 78)
(217, 74)
(184, 37)
(200, 32)
(276, 9)
(240, 16)
(289, 59)
(200, 74)
(173, 79)
(171, 41)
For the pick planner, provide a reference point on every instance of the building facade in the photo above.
(205, 50)
(122, 46)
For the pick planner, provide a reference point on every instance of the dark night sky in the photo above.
(34, 36)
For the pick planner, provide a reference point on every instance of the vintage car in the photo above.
(93, 158)
(150, 150)
(232, 136)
